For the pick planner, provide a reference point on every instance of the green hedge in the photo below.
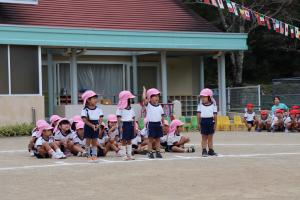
(16, 130)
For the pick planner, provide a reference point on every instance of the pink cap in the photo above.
(112, 118)
(79, 125)
(174, 124)
(39, 122)
(87, 94)
(54, 118)
(44, 126)
(123, 98)
(151, 92)
(206, 92)
(76, 119)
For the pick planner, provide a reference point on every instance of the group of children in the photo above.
(279, 120)
(88, 136)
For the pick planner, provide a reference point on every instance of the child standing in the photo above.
(126, 118)
(249, 117)
(207, 120)
(155, 117)
(92, 116)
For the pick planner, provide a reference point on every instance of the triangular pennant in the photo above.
(277, 26)
(262, 20)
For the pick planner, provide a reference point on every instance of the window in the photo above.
(3, 70)
(20, 1)
(24, 67)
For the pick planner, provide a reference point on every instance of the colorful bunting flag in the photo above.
(234, 5)
(262, 20)
(214, 3)
(267, 19)
(207, 2)
(286, 29)
(229, 5)
(297, 33)
(281, 27)
(277, 26)
(292, 32)
(247, 14)
(221, 5)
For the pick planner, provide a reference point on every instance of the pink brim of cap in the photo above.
(45, 128)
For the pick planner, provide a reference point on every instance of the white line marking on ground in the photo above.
(217, 144)
(175, 157)
(268, 144)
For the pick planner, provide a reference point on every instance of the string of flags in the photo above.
(251, 15)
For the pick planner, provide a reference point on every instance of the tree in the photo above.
(228, 22)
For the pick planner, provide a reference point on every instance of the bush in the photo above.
(16, 130)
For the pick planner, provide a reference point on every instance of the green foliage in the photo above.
(16, 130)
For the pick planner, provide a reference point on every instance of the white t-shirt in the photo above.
(136, 140)
(92, 114)
(35, 133)
(127, 115)
(289, 119)
(154, 113)
(207, 111)
(144, 132)
(164, 139)
(173, 138)
(249, 116)
(40, 141)
(59, 136)
(112, 135)
(76, 139)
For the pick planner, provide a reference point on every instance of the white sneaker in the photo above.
(126, 158)
(63, 155)
(79, 154)
(84, 154)
(56, 155)
(31, 153)
(130, 157)
(118, 154)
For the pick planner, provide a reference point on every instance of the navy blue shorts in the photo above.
(128, 131)
(155, 130)
(250, 122)
(207, 126)
(89, 133)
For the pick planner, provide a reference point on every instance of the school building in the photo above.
(51, 51)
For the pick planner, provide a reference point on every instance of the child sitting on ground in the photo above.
(264, 123)
(175, 141)
(249, 117)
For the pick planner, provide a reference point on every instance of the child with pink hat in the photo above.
(76, 142)
(155, 116)
(35, 134)
(126, 118)
(92, 116)
(113, 133)
(207, 120)
(45, 145)
(75, 119)
(175, 141)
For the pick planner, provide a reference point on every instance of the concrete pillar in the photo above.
(74, 79)
(164, 77)
(222, 84)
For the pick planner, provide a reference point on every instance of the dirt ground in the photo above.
(250, 166)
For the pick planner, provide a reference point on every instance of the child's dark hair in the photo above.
(276, 97)
(128, 102)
